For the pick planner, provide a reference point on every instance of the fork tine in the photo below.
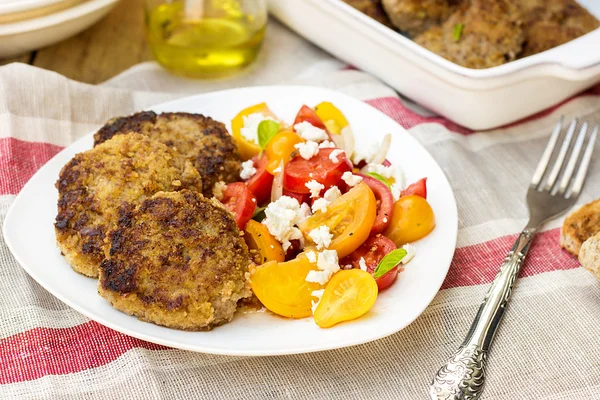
(543, 164)
(560, 159)
(566, 178)
(583, 167)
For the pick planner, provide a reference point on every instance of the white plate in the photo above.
(29, 233)
(20, 37)
(475, 98)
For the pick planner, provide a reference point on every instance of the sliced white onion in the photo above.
(365, 170)
(347, 141)
(381, 154)
(277, 188)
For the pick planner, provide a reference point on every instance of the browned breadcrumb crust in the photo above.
(491, 34)
(95, 183)
(416, 16)
(176, 260)
(579, 226)
(373, 8)
(204, 141)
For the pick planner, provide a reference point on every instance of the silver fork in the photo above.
(463, 376)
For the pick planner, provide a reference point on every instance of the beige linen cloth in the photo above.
(547, 347)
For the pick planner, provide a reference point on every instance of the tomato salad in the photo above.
(328, 226)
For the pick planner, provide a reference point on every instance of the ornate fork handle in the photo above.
(463, 376)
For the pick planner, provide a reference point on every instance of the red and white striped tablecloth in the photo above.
(547, 347)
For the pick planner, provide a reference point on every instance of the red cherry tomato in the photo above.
(418, 188)
(320, 168)
(373, 250)
(301, 197)
(309, 115)
(240, 201)
(260, 184)
(385, 203)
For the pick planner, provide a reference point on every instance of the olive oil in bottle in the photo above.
(205, 38)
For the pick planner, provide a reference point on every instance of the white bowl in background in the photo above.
(477, 99)
(23, 36)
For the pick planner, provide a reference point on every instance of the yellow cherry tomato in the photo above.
(348, 295)
(331, 116)
(247, 148)
(262, 245)
(280, 148)
(282, 287)
(412, 219)
(349, 218)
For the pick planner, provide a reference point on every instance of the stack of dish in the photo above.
(27, 25)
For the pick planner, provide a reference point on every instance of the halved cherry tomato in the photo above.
(349, 218)
(282, 287)
(412, 219)
(301, 197)
(332, 117)
(280, 148)
(240, 201)
(348, 295)
(418, 188)
(306, 114)
(247, 149)
(260, 183)
(262, 245)
(385, 203)
(373, 250)
(320, 168)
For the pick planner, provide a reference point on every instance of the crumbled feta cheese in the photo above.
(307, 149)
(250, 129)
(281, 216)
(327, 260)
(366, 153)
(310, 132)
(410, 253)
(315, 188)
(386, 172)
(326, 144)
(248, 170)
(320, 277)
(312, 256)
(321, 236)
(351, 179)
(303, 212)
(396, 191)
(333, 156)
(218, 190)
(318, 294)
(363, 264)
(320, 205)
(332, 193)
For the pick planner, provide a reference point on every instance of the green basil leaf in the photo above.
(458, 30)
(388, 262)
(259, 214)
(380, 178)
(266, 130)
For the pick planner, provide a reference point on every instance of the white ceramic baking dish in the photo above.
(476, 99)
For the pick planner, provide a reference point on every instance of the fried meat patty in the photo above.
(550, 23)
(416, 16)
(176, 260)
(372, 8)
(579, 226)
(94, 184)
(491, 34)
(204, 141)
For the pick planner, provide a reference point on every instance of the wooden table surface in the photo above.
(112, 45)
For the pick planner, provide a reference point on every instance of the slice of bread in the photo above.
(580, 226)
